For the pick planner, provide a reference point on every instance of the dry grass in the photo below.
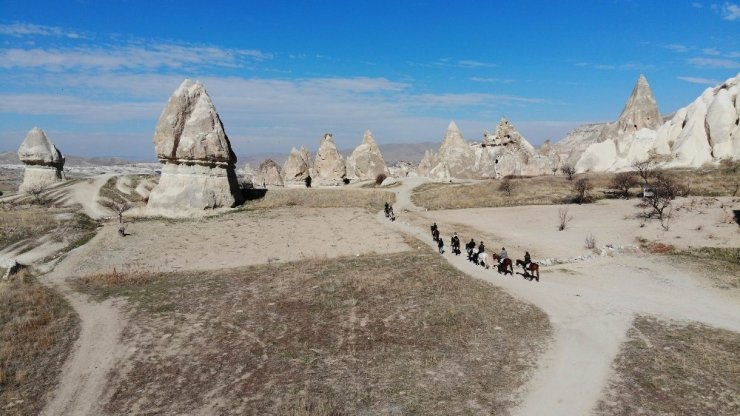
(403, 333)
(372, 199)
(21, 223)
(547, 190)
(37, 330)
(675, 369)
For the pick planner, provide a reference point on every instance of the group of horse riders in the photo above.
(389, 212)
(479, 256)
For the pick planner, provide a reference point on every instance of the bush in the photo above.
(564, 218)
(506, 186)
(583, 189)
(569, 171)
(380, 178)
(624, 181)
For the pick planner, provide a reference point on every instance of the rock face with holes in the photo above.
(329, 164)
(43, 162)
(268, 174)
(366, 161)
(197, 161)
(297, 167)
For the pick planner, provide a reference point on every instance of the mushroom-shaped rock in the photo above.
(366, 161)
(43, 162)
(197, 161)
(268, 174)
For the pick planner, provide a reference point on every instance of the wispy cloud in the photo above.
(730, 11)
(711, 51)
(714, 63)
(134, 57)
(698, 80)
(677, 47)
(630, 66)
(455, 63)
(491, 80)
(27, 29)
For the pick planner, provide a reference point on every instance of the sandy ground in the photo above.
(591, 304)
(238, 239)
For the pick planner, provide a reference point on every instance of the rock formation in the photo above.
(706, 131)
(505, 152)
(329, 165)
(702, 133)
(197, 161)
(297, 167)
(44, 162)
(366, 161)
(268, 174)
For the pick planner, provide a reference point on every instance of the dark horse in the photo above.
(532, 270)
(504, 266)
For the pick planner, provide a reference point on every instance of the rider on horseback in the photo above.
(503, 255)
(455, 244)
(527, 258)
(481, 247)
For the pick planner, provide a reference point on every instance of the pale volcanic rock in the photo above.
(329, 164)
(455, 159)
(640, 112)
(706, 131)
(43, 162)
(427, 162)
(268, 174)
(197, 161)
(366, 161)
(297, 167)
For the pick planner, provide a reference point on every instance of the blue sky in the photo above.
(96, 74)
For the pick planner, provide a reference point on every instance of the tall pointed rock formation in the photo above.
(329, 165)
(640, 112)
(366, 161)
(297, 167)
(197, 161)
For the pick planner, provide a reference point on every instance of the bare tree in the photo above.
(665, 190)
(554, 170)
(569, 171)
(507, 186)
(624, 181)
(645, 169)
(564, 218)
(583, 189)
(590, 241)
(118, 207)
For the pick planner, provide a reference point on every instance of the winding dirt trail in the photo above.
(591, 306)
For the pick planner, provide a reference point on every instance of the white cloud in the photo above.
(133, 57)
(492, 80)
(630, 66)
(711, 51)
(677, 47)
(27, 29)
(714, 63)
(731, 11)
(697, 80)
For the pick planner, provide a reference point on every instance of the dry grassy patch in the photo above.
(401, 333)
(37, 330)
(110, 191)
(20, 223)
(547, 190)
(372, 199)
(675, 369)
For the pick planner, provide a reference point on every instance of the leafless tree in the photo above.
(569, 171)
(38, 193)
(118, 207)
(583, 189)
(590, 241)
(554, 170)
(564, 218)
(645, 169)
(624, 181)
(506, 186)
(665, 190)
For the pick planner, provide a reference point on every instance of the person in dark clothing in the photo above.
(455, 243)
(391, 215)
(387, 211)
(469, 249)
(441, 245)
(308, 181)
(481, 248)
(434, 228)
(435, 235)
(527, 258)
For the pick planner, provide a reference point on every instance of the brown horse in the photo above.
(504, 266)
(532, 270)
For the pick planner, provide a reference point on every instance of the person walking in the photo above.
(441, 245)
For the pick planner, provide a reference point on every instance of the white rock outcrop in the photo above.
(198, 165)
(366, 161)
(44, 163)
(268, 174)
(329, 165)
(297, 167)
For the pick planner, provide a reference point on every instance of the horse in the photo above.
(435, 234)
(531, 270)
(504, 266)
(483, 260)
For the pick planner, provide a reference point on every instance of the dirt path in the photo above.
(96, 351)
(591, 306)
(86, 194)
